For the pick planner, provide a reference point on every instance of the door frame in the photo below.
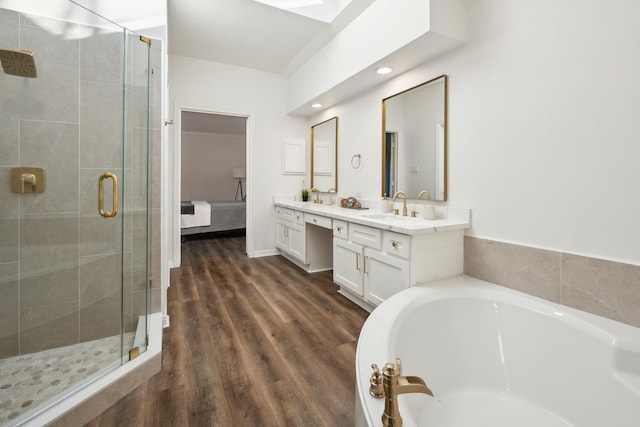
(176, 176)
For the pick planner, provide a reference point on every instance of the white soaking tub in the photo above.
(496, 357)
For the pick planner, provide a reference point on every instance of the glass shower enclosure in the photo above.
(74, 201)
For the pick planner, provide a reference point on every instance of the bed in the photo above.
(199, 217)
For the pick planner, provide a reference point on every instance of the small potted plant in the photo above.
(305, 194)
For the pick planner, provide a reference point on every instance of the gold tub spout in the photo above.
(395, 384)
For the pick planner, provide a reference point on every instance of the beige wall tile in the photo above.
(533, 271)
(9, 309)
(102, 56)
(99, 277)
(54, 147)
(53, 96)
(101, 318)
(9, 239)
(606, 288)
(46, 287)
(48, 326)
(101, 125)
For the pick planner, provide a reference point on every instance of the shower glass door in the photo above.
(73, 201)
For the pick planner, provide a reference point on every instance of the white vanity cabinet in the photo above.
(290, 237)
(370, 263)
(304, 238)
(373, 256)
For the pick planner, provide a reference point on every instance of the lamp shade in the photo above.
(239, 172)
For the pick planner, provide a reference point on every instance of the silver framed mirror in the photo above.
(324, 155)
(414, 141)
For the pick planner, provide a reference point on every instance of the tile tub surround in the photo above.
(606, 288)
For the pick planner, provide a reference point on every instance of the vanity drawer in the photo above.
(284, 213)
(320, 221)
(367, 236)
(340, 229)
(397, 244)
(298, 217)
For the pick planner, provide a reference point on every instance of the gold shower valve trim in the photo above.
(28, 180)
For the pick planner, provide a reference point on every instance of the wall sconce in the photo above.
(239, 174)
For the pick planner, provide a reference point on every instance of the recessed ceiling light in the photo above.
(384, 70)
(316, 105)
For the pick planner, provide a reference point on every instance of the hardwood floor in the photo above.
(252, 342)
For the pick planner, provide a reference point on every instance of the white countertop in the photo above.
(447, 218)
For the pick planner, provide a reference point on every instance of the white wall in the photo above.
(207, 161)
(207, 86)
(544, 141)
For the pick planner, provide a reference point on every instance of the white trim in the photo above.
(265, 252)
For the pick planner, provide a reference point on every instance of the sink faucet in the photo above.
(317, 200)
(394, 384)
(404, 202)
(424, 192)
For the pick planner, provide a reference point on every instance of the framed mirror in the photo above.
(414, 141)
(324, 155)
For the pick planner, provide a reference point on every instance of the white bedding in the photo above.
(225, 216)
(201, 215)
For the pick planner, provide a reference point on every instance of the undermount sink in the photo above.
(391, 218)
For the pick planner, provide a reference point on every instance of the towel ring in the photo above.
(355, 161)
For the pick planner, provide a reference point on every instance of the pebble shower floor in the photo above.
(31, 380)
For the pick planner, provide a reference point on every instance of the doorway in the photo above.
(213, 171)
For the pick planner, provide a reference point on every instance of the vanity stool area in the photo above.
(373, 254)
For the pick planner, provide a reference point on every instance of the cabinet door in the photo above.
(384, 275)
(282, 236)
(347, 265)
(297, 242)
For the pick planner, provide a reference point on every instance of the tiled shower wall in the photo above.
(605, 288)
(60, 275)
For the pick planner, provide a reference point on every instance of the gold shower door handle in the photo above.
(114, 179)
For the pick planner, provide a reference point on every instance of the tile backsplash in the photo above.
(606, 288)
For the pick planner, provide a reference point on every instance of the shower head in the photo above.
(18, 63)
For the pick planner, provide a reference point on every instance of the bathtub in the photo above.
(497, 357)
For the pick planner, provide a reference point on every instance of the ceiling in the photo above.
(250, 34)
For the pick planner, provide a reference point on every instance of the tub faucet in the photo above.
(394, 384)
(404, 201)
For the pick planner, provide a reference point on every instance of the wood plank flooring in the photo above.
(252, 342)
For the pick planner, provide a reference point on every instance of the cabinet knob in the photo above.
(339, 228)
(395, 244)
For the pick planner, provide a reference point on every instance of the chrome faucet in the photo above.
(317, 200)
(420, 194)
(394, 384)
(404, 202)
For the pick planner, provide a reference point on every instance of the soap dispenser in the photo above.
(385, 204)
